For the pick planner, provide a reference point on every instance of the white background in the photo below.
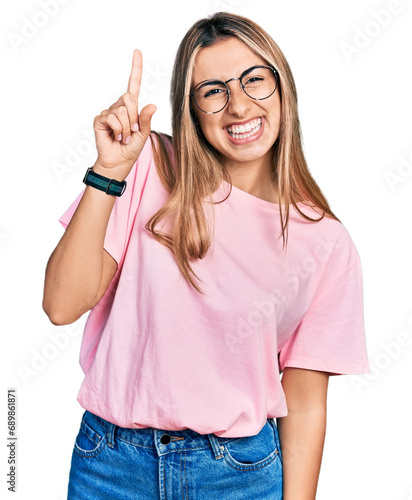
(62, 68)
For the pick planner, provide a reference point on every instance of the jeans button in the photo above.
(222, 448)
(165, 439)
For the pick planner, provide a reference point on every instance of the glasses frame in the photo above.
(275, 71)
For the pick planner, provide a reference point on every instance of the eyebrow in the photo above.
(211, 81)
(206, 83)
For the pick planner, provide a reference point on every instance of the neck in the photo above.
(255, 177)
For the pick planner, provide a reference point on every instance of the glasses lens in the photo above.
(211, 95)
(259, 83)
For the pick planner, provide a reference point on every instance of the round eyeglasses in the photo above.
(258, 82)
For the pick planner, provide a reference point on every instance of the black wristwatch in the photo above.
(109, 186)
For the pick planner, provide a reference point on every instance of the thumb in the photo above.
(145, 118)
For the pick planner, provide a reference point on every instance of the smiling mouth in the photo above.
(245, 131)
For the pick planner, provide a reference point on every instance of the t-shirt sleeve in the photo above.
(331, 335)
(125, 206)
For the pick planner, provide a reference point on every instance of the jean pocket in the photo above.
(252, 452)
(91, 438)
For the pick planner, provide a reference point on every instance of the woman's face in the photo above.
(224, 60)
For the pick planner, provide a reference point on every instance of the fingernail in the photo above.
(135, 127)
(119, 137)
(127, 140)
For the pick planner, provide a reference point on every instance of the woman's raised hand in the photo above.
(120, 131)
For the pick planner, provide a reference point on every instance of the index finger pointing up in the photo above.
(136, 74)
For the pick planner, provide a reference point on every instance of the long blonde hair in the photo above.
(198, 170)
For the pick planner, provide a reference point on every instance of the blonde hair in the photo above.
(198, 170)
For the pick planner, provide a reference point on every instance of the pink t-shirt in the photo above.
(156, 353)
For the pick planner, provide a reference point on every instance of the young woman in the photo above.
(211, 263)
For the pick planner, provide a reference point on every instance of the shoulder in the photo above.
(332, 233)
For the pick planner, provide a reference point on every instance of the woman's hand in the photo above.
(120, 131)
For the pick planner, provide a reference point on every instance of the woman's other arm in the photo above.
(302, 431)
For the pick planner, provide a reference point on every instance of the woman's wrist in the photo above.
(117, 173)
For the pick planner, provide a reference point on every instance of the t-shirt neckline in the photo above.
(239, 193)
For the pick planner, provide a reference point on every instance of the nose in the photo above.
(239, 103)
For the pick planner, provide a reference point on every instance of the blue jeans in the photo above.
(113, 462)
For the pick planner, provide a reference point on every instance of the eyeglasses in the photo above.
(258, 82)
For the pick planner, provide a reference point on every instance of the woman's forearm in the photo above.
(302, 436)
(74, 270)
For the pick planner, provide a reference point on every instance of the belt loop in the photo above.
(216, 447)
(110, 434)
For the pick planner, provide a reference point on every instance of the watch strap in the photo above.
(109, 186)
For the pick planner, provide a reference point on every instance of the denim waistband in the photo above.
(164, 441)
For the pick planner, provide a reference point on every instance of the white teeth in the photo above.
(245, 131)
